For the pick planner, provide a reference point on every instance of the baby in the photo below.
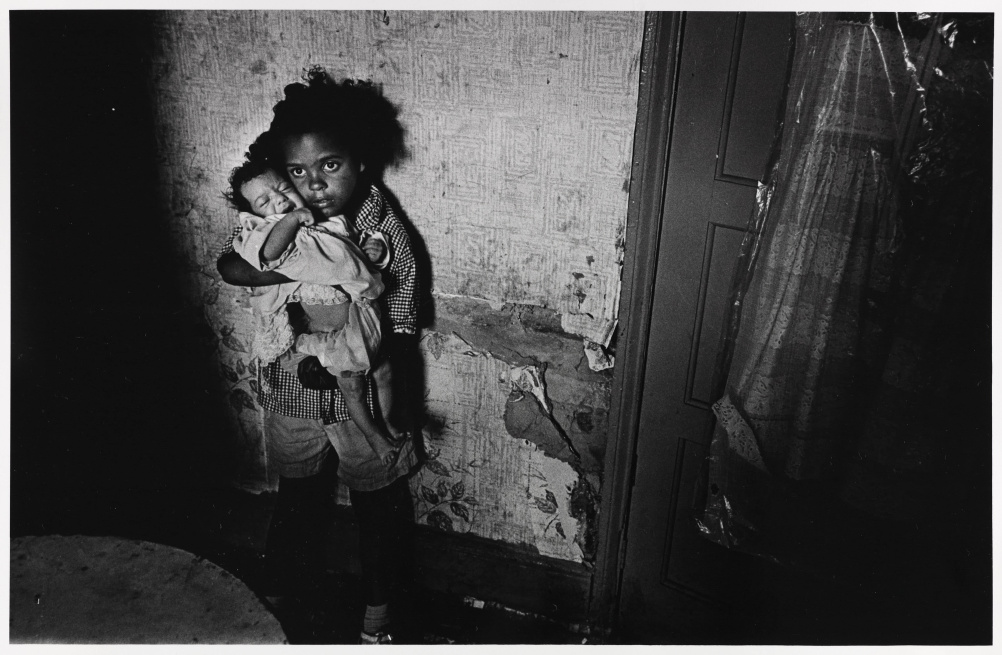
(281, 234)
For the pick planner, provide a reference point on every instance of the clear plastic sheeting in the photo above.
(829, 360)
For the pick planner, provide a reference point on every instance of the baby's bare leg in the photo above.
(382, 375)
(353, 391)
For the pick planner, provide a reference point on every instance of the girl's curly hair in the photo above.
(354, 112)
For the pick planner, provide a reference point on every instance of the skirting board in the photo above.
(492, 571)
(486, 570)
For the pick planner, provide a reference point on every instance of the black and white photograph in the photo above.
(657, 326)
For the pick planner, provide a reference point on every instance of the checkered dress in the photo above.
(280, 391)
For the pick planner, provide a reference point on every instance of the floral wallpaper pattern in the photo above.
(479, 479)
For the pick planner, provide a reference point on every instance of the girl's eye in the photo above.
(332, 166)
(296, 172)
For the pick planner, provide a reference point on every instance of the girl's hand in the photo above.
(374, 249)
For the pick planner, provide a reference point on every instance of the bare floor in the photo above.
(226, 527)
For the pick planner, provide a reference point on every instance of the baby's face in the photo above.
(269, 194)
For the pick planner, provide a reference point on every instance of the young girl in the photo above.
(332, 140)
(280, 234)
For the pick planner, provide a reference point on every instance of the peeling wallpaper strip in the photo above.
(529, 380)
(520, 127)
(511, 490)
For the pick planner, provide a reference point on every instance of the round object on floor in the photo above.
(109, 590)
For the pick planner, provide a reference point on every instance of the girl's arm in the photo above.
(237, 271)
(401, 295)
(283, 233)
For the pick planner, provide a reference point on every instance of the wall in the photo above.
(520, 131)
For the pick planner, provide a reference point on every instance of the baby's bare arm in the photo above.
(283, 233)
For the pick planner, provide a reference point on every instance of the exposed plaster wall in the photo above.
(520, 128)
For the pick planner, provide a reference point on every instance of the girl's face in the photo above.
(322, 171)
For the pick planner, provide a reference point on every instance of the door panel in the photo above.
(730, 81)
(754, 87)
(722, 245)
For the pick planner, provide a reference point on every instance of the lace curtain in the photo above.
(812, 347)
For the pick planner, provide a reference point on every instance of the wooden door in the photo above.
(729, 73)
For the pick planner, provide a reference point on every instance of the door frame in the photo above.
(660, 58)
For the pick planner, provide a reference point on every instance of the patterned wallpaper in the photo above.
(520, 128)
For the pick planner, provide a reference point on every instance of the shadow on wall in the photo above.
(112, 381)
(425, 313)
